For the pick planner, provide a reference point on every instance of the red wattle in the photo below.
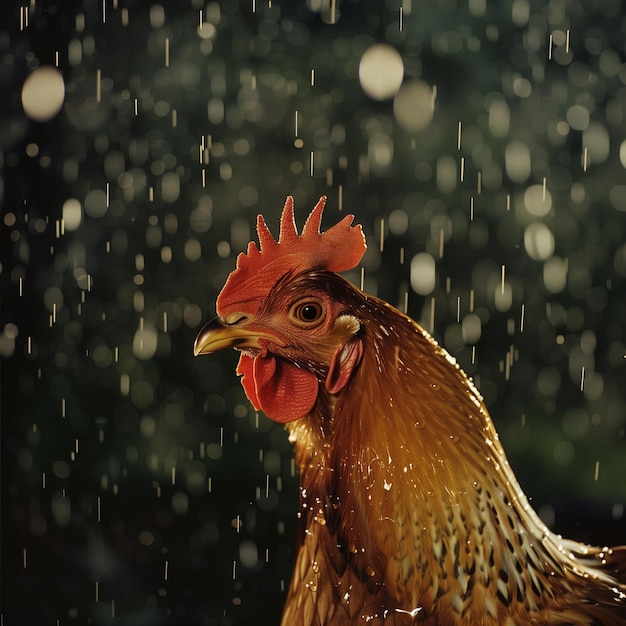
(283, 391)
(245, 369)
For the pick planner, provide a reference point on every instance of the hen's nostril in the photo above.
(234, 318)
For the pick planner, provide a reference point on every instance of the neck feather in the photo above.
(406, 472)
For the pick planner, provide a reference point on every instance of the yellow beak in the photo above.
(219, 335)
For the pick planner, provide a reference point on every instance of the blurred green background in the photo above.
(483, 147)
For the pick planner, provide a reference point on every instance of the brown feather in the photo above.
(410, 511)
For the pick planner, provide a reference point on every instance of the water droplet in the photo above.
(320, 519)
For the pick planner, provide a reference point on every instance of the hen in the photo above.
(409, 511)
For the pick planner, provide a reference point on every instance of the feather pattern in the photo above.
(410, 511)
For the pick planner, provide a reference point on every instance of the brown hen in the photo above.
(409, 511)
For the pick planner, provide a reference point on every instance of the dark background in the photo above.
(138, 485)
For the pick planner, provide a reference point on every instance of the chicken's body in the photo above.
(410, 513)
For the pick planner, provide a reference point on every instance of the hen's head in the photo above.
(283, 308)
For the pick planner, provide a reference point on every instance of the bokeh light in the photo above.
(381, 71)
(414, 105)
(43, 93)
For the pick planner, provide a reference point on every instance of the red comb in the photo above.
(338, 249)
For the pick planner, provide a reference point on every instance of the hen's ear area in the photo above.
(338, 249)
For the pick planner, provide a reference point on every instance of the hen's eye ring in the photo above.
(307, 312)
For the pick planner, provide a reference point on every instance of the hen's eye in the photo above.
(307, 312)
(310, 312)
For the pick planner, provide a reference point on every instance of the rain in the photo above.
(481, 145)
